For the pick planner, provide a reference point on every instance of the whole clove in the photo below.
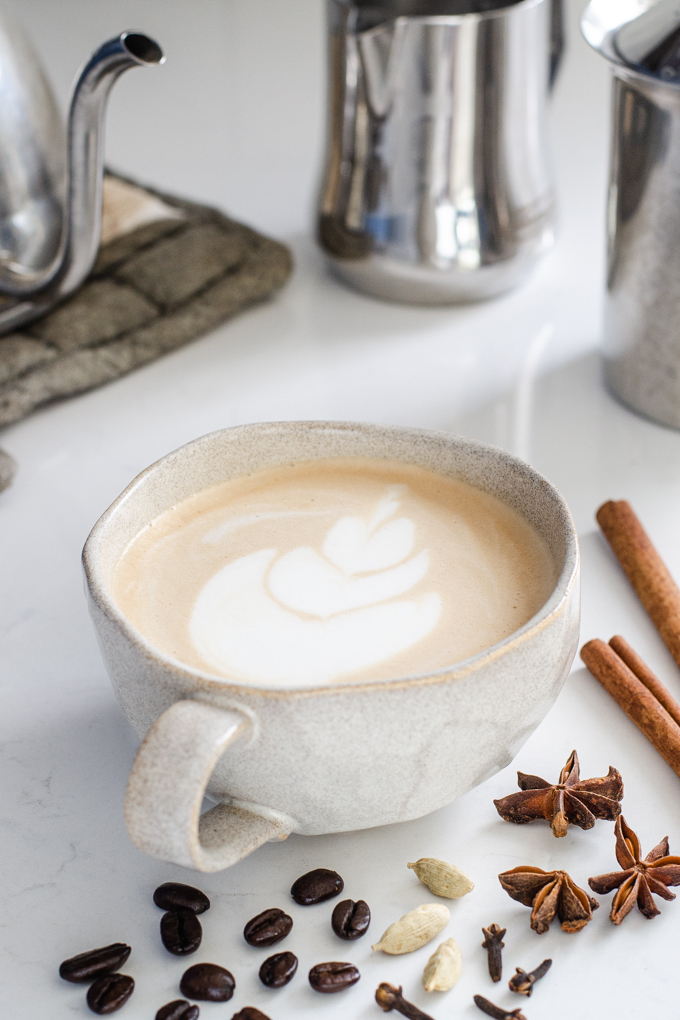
(496, 1012)
(493, 942)
(523, 983)
(388, 997)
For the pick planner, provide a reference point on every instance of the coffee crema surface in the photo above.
(332, 571)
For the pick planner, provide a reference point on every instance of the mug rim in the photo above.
(100, 593)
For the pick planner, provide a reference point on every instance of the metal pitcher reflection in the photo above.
(438, 186)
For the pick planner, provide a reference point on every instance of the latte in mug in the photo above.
(333, 571)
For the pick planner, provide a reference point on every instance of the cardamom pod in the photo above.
(442, 879)
(414, 929)
(443, 968)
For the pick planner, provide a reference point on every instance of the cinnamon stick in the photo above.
(636, 700)
(645, 570)
(644, 673)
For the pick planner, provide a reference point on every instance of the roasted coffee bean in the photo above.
(333, 977)
(208, 983)
(175, 896)
(351, 920)
(180, 1009)
(317, 886)
(109, 993)
(181, 932)
(268, 928)
(250, 1013)
(88, 966)
(278, 970)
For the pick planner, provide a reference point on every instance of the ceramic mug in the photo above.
(340, 756)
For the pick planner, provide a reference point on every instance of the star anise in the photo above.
(570, 800)
(549, 893)
(639, 879)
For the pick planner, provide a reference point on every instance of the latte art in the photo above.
(307, 617)
(333, 571)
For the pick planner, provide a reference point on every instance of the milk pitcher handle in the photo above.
(167, 785)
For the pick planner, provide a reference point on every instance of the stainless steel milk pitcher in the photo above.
(438, 186)
(641, 343)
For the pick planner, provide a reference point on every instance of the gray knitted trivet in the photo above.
(152, 289)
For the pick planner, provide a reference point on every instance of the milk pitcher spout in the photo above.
(438, 186)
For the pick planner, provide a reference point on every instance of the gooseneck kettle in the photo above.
(51, 180)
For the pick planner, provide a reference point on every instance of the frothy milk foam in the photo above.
(333, 571)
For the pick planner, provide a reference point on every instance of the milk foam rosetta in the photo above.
(333, 571)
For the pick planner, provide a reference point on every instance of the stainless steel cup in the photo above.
(438, 187)
(641, 342)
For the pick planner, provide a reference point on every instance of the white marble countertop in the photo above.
(236, 117)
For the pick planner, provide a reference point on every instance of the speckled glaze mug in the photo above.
(336, 757)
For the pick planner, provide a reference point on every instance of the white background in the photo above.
(236, 117)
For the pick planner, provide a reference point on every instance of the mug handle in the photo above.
(168, 781)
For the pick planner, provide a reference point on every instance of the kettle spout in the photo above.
(81, 226)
